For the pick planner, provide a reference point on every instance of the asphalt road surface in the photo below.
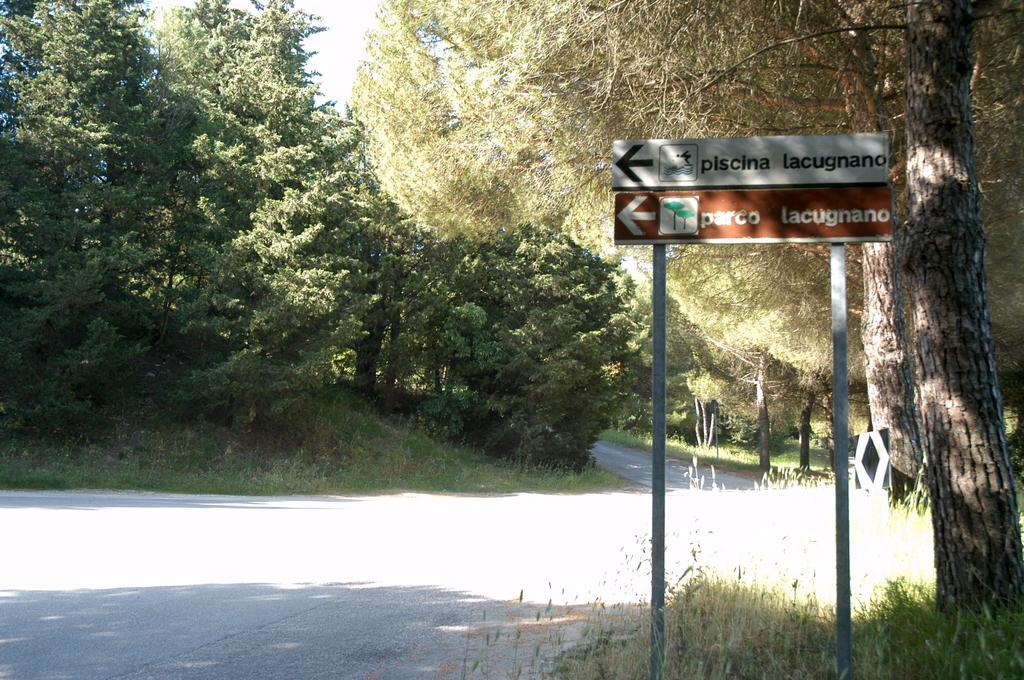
(635, 466)
(129, 586)
(125, 585)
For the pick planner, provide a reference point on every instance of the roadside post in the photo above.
(840, 461)
(658, 397)
(753, 190)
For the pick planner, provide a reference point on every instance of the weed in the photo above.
(763, 622)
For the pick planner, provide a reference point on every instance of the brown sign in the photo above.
(835, 215)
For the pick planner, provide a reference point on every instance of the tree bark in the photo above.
(830, 431)
(763, 433)
(391, 367)
(709, 420)
(805, 430)
(887, 364)
(698, 407)
(974, 506)
(713, 434)
(368, 350)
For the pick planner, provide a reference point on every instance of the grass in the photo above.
(764, 625)
(728, 457)
(720, 629)
(338, 447)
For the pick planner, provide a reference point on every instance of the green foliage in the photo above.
(913, 640)
(148, 214)
(333, 444)
(276, 189)
(191, 202)
(740, 429)
(563, 335)
(497, 341)
(183, 226)
(688, 356)
(466, 101)
(79, 143)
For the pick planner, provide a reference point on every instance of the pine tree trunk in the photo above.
(713, 439)
(707, 423)
(830, 432)
(805, 430)
(391, 371)
(368, 351)
(887, 364)
(974, 506)
(763, 433)
(698, 407)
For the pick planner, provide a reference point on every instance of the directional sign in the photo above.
(755, 216)
(740, 162)
(743, 190)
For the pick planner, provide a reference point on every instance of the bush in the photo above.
(739, 429)
(680, 425)
(531, 339)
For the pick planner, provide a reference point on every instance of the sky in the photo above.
(339, 49)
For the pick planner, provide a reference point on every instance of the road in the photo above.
(130, 586)
(124, 585)
(635, 466)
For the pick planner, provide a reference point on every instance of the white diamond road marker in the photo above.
(866, 481)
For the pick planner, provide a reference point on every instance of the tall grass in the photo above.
(716, 628)
(732, 625)
(335, 446)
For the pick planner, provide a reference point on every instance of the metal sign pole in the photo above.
(658, 466)
(840, 416)
(675, 191)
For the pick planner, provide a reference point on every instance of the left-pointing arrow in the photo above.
(627, 163)
(628, 215)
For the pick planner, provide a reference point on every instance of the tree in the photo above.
(501, 93)
(81, 152)
(548, 87)
(274, 287)
(869, 63)
(391, 249)
(527, 325)
(760, 312)
(706, 427)
(687, 376)
(995, 78)
(814, 387)
(974, 505)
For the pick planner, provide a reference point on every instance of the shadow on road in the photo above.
(272, 631)
(102, 500)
